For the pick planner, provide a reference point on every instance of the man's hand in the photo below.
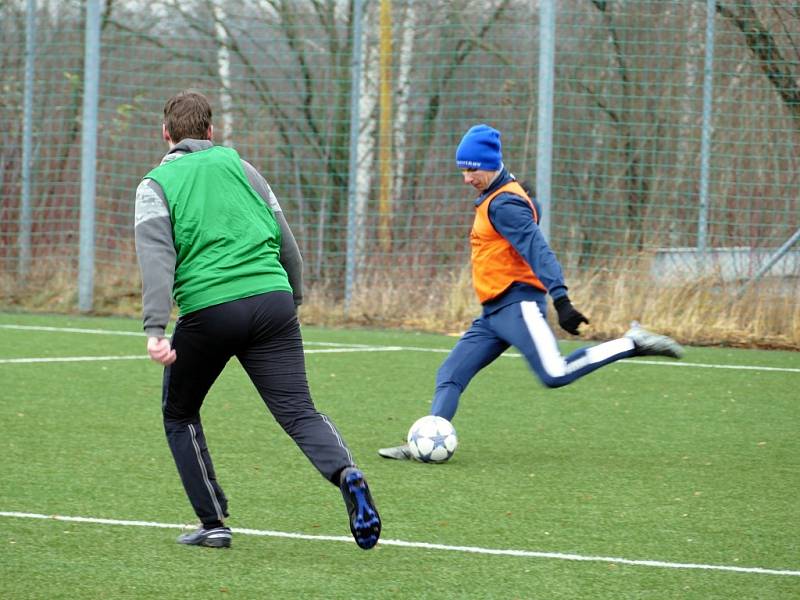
(160, 351)
(568, 317)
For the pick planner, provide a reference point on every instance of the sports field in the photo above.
(648, 479)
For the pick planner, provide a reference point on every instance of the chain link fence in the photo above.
(662, 137)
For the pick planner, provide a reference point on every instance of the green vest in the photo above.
(227, 241)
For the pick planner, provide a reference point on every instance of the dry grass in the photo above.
(703, 312)
(700, 312)
(51, 286)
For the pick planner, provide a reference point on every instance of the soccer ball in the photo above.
(432, 439)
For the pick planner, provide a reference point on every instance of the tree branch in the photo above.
(762, 44)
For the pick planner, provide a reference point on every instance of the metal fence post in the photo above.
(91, 80)
(779, 253)
(356, 60)
(544, 137)
(707, 130)
(26, 208)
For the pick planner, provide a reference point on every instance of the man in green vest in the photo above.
(211, 235)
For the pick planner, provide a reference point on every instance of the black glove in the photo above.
(568, 317)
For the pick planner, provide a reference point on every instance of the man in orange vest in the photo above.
(513, 271)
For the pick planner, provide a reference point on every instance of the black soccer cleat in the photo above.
(216, 537)
(365, 522)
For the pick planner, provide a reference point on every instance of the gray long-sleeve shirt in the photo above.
(155, 246)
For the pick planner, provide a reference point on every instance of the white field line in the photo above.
(71, 330)
(423, 545)
(140, 334)
(352, 347)
(53, 359)
(4, 361)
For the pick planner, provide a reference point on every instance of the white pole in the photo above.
(544, 145)
(91, 85)
(26, 208)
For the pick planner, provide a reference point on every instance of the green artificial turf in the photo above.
(667, 465)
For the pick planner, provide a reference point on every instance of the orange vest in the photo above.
(495, 262)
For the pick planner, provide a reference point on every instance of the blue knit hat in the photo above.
(480, 149)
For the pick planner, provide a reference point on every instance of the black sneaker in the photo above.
(217, 537)
(365, 522)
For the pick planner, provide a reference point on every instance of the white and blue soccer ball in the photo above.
(432, 439)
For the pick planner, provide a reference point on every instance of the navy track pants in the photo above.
(522, 325)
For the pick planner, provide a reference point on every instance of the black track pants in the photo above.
(263, 333)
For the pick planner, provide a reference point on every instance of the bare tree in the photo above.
(782, 73)
(365, 157)
(638, 170)
(403, 87)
